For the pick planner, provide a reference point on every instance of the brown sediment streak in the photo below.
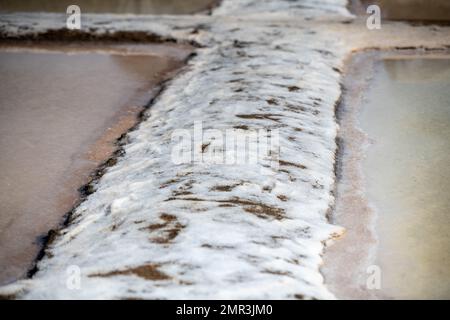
(259, 209)
(147, 272)
(90, 37)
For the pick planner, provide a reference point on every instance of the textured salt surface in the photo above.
(156, 230)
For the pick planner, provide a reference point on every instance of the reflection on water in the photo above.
(407, 116)
(415, 71)
(426, 10)
(109, 6)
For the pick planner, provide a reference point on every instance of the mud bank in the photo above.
(62, 109)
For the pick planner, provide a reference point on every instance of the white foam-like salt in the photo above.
(229, 244)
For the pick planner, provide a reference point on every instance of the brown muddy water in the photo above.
(109, 6)
(411, 10)
(61, 110)
(394, 179)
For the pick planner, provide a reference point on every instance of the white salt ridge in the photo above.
(270, 249)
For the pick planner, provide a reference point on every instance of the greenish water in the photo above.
(406, 116)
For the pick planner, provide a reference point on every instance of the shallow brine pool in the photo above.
(109, 6)
(394, 191)
(61, 110)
